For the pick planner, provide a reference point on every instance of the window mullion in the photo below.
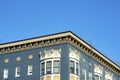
(52, 67)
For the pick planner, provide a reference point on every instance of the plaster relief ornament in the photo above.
(52, 53)
(74, 54)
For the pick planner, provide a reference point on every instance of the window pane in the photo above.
(17, 73)
(43, 68)
(72, 68)
(90, 76)
(77, 68)
(56, 66)
(48, 67)
(56, 63)
(30, 69)
(84, 74)
(5, 75)
(100, 77)
(96, 77)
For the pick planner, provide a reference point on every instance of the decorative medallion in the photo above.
(18, 58)
(30, 56)
(6, 60)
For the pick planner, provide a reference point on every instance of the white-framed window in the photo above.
(74, 67)
(42, 68)
(98, 76)
(84, 74)
(30, 69)
(56, 66)
(77, 68)
(5, 73)
(90, 75)
(50, 66)
(17, 72)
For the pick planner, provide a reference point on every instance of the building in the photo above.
(61, 56)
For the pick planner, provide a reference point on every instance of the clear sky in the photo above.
(95, 21)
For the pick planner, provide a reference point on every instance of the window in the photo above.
(90, 75)
(17, 72)
(56, 66)
(48, 67)
(5, 74)
(98, 77)
(43, 68)
(30, 69)
(84, 74)
(77, 68)
(72, 67)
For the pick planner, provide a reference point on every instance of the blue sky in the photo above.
(95, 21)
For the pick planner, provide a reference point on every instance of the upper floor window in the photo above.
(5, 74)
(30, 69)
(17, 72)
(77, 68)
(48, 67)
(56, 65)
(98, 76)
(43, 68)
(72, 67)
(90, 75)
(84, 74)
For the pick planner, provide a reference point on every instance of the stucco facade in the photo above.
(61, 56)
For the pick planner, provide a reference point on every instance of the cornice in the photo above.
(60, 38)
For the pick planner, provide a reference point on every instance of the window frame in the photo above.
(90, 75)
(76, 71)
(5, 73)
(100, 77)
(45, 66)
(49, 67)
(17, 71)
(84, 74)
(30, 69)
(56, 67)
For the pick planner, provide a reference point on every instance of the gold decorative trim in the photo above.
(6, 60)
(30, 56)
(18, 58)
(61, 38)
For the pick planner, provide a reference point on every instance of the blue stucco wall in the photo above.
(12, 64)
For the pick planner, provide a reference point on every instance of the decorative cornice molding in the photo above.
(61, 38)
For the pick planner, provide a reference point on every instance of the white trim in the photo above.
(30, 69)
(52, 65)
(76, 61)
(5, 73)
(16, 72)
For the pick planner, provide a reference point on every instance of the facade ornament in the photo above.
(108, 75)
(52, 53)
(98, 69)
(74, 54)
